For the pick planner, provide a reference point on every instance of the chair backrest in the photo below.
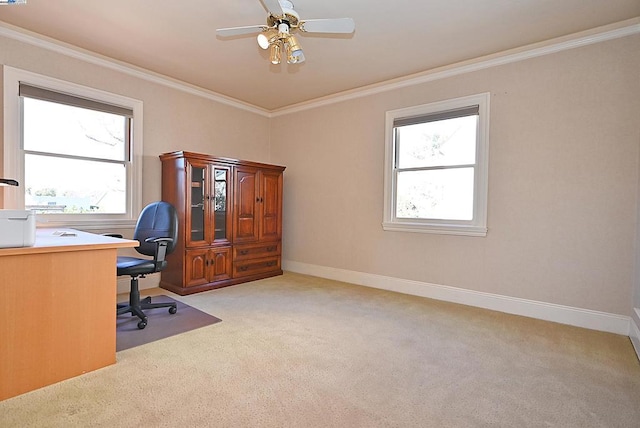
(157, 220)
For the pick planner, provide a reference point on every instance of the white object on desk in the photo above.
(64, 233)
(17, 228)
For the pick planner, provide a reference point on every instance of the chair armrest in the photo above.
(161, 239)
(161, 249)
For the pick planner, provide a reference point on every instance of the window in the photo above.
(78, 157)
(76, 153)
(436, 167)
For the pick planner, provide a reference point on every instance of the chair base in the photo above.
(136, 306)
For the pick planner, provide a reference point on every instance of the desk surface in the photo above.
(57, 240)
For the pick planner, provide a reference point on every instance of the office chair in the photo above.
(157, 232)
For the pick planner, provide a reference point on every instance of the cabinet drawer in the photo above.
(254, 267)
(256, 251)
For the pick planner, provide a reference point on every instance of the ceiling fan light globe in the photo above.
(263, 41)
(294, 46)
(275, 54)
(295, 59)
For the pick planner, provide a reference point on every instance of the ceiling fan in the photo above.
(278, 33)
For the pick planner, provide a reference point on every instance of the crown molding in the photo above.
(53, 45)
(589, 37)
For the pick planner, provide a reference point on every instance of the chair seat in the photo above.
(135, 266)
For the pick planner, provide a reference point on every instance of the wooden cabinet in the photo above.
(230, 215)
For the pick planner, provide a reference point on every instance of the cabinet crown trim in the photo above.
(219, 160)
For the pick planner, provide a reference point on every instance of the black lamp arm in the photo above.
(8, 182)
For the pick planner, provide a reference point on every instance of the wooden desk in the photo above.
(57, 309)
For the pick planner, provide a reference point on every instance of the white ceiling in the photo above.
(393, 38)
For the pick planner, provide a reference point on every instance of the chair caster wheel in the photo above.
(173, 310)
(142, 324)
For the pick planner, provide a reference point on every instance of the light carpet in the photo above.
(298, 351)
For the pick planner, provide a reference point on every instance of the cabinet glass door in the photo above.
(197, 203)
(220, 202)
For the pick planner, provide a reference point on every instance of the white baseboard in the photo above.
(578, 317)
(634, 333)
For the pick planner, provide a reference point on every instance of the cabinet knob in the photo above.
(271, 249)
(244, 252)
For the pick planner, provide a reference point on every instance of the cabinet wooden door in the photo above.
(220, 263)
(269, 205)
(247, 188)
(196, 267)
(207, 265)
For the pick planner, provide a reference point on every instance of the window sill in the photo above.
(439, 229)
(87, 225)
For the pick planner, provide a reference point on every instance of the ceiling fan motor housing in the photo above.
(290, 17)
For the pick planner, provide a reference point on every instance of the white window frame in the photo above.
(13, 159)
(477, 226)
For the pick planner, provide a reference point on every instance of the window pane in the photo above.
(445, 194)
(62, 129)
(57, 185)
(440, 143)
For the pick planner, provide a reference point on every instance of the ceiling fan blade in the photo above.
(338, 25)
(239, 31)
(273, 7)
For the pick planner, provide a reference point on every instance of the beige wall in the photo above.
(563, 179)
(173, 119)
